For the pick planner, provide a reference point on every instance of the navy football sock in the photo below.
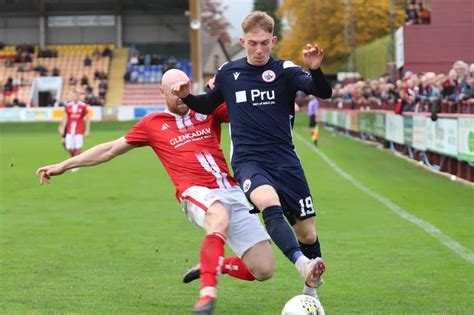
(311, 250)
(281, 232)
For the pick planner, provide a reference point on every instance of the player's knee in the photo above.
(216, 220)
(264, 197)
(307, 237)
(264, 272)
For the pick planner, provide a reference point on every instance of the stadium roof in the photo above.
(68, 7)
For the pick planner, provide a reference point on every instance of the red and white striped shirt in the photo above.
(188, 147)
(76, 114)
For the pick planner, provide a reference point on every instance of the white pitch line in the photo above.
(460, 250)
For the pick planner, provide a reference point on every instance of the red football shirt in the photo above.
(76, 114)
(188, 147)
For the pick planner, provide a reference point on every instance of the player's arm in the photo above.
(87, 125)
(96, 155)
(204, 103)
(319, 85)
(62, 125)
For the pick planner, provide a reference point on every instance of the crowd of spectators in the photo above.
(150, 67)
(451, 92)
(416, 13)
(26, 63)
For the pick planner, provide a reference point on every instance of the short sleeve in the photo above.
(138, 136)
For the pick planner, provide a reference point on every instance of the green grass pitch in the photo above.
(112, 239)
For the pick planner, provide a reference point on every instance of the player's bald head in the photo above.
(172, 76)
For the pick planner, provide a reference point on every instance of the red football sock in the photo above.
(235, 267)
(71, 152)
(211, 260)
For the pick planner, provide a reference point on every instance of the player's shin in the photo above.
(236, 268)
(211, 261)
(311, 250)
(281, 232)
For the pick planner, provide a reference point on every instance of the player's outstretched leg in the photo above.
(211, 259)
(233, 266)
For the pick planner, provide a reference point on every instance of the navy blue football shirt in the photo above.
(260, 101)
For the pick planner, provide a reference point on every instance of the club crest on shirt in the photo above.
(246, 185)
(268, 76)
(200, 117)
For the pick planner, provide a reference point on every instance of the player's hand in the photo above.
(44, 173)
(181, 89)
(313, 56)
(86, 133)
(211, 83)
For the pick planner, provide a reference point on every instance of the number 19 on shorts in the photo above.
(306, 206)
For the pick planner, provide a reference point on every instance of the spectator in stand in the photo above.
(470, 91)
(84, 80)
(8, 86)
(28, 57)
(18, 82)
(411, 13)
(9, 62)
(462, 86)
(449, 86)
(96, 53)
(107, 52)
(409, 104)
(147, 60)
(41, 70)
(55, 72)
(103, 84)
(87, 61)
(358, 101)
(97, 75)
(72, 80)
(424, 15)
(429, 93)
(89, 90)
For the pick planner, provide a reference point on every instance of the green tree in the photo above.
(338, 26)
(269, 6)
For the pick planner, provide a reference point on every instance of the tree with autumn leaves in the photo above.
(338, 26)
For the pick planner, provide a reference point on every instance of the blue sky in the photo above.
(236, 11)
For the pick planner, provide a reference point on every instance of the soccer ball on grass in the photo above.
(303, 305)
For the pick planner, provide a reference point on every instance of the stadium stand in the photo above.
(451, 92)
(143, 77)
(67, 61)
(142, 94)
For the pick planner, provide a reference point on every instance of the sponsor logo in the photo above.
(191, 136)
(260, 98)
(165, 126)
(257, 97)
(246, 185)
(268, 76)
(240, 96)
(200, 117)
(236, 75)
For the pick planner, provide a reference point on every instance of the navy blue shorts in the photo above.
(289, 182)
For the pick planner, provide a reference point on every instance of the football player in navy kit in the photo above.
(259, 91)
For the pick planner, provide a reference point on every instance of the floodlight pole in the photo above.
(392, 31)
(195, 33)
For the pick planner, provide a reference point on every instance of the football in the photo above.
(303, 305)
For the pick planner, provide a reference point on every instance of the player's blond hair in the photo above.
(258, 19)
